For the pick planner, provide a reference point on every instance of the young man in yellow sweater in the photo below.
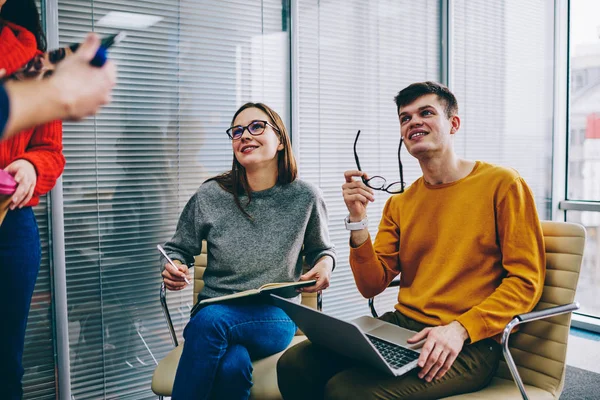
(467, 243)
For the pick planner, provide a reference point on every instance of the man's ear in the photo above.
(455, 121)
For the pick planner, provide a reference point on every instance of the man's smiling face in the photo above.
(425, 127)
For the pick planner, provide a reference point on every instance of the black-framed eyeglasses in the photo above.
(256, 127)
(379, 182)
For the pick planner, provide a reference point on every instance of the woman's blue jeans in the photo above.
(220, 343)
(20, 256)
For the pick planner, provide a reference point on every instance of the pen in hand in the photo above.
(162, 251)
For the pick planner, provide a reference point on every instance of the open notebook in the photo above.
(282, 289)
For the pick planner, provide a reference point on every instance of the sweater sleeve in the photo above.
(521, 241)
(45, 153)
(187, 240)
(317, 243)
(375, 265)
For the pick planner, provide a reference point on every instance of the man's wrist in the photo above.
(356, 218)
(462, 330)
(353, 225)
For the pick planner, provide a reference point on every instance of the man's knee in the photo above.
(289, 366)
(293, 372)
(341, 387)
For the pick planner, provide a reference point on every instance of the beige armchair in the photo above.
(535, 356)
(265, 370)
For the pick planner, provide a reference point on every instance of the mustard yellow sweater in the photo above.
(470, 251)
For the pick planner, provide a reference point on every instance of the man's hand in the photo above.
(356, 194)
(441, 347)
(26, 177)
(321, 272)
(82, 87)
(174, 278)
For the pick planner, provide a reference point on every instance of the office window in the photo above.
(584, 142)
(502, 74)
(131, 169)
(354, 57)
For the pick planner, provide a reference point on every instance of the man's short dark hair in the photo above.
(416, 90)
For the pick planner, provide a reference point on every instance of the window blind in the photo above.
(503, 78)
(354, 57)
(131, 169)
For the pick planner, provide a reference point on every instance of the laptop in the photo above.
(377, 343)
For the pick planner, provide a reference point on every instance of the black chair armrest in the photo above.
(548, 312)
(165, 308)
(523, 318)
(394, 283)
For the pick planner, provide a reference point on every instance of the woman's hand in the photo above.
(321, 272)
(26, 177)
(174, 278)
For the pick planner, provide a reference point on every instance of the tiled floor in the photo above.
(583, 350)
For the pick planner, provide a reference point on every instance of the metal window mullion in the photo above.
(294, 79)
(58, 258)
(560, 112)
(446, 37)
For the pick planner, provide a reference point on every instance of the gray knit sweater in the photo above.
(288, 221)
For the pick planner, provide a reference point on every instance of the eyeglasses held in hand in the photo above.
(255, 128)
(379, 182)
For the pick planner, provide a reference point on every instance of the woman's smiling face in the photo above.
(256, 151)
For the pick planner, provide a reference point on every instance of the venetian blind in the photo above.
(354, 57)
(503, 78)
(131, 169)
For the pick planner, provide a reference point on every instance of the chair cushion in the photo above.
(264, 374)
(504, 389)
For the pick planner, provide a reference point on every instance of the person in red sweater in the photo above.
(34, 158)
(465, 239)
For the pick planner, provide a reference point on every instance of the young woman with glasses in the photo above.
(258, 220)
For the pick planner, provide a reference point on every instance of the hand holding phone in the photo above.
(101, 55)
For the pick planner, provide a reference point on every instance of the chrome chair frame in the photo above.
(521, 319)
(518, 320)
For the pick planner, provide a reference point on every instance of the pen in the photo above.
(162, 251)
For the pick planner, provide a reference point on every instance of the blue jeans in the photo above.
(220, 343)
(20, 256)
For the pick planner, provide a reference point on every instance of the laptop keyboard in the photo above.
(397, 356)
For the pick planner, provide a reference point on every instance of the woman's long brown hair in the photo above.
(235, 180)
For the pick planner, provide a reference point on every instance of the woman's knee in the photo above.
(208, 322)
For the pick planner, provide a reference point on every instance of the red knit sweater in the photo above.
(42, 145)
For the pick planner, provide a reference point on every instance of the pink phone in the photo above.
(8, 185)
